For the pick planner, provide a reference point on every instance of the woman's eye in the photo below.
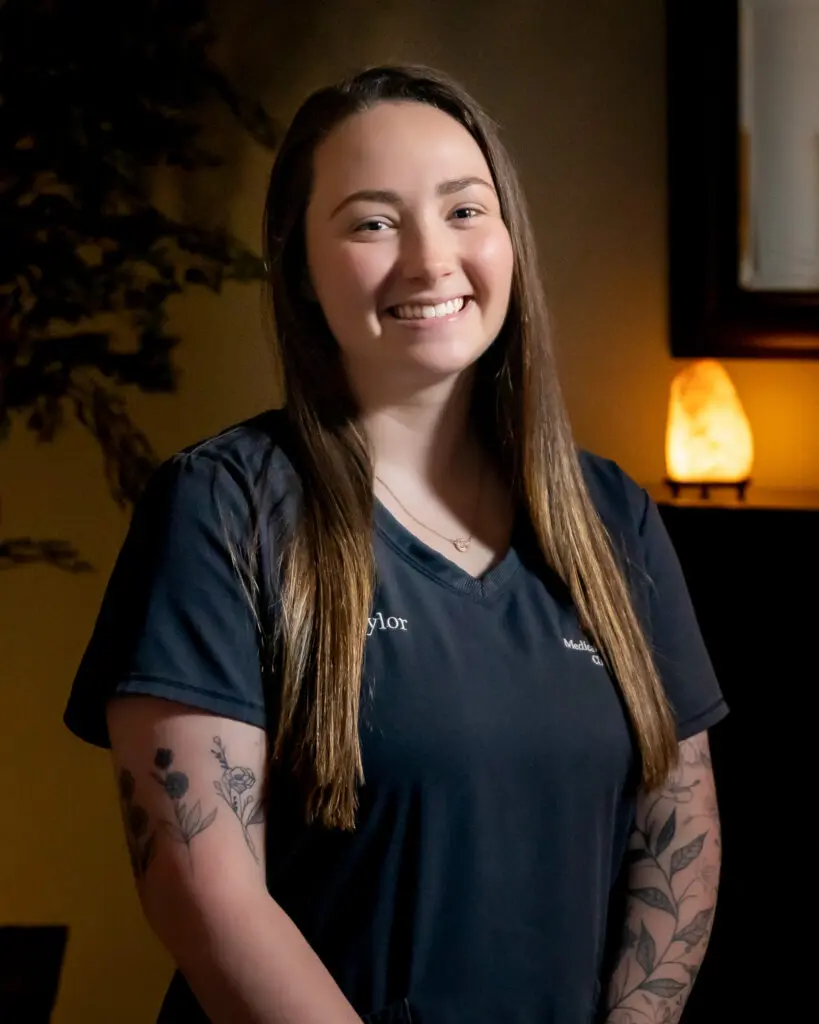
(375, 224)
(466, 213)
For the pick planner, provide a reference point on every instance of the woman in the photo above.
(394, 678)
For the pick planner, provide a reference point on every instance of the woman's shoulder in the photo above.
(620, 501)
(253, 448)
(247, 462)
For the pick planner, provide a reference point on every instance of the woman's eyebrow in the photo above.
(379, 195)
(447, 188)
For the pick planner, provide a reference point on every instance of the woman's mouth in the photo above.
(421, 313)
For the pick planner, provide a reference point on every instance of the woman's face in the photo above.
(406, 249)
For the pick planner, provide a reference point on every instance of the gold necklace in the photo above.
(461, 544)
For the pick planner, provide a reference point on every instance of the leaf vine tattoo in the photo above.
(189, 821)
(656, 960)
(140, 838)
(234, 788)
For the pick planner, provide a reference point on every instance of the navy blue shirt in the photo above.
(500, 769)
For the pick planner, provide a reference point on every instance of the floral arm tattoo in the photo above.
(674, 863)
(188, 821)
(235, 788)
(141, 832)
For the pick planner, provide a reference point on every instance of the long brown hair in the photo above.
(327, 572)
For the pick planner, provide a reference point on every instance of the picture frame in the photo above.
(710, 313)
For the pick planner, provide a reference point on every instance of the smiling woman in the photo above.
(424, 668)
(430, 252)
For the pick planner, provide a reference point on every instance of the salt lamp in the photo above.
(708, 438)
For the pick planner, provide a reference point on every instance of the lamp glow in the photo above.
(708, 436)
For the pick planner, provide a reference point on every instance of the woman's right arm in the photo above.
(190, 786)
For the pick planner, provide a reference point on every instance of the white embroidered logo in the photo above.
(583, 645)
(379, 622)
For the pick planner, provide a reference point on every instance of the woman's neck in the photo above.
(424, 435)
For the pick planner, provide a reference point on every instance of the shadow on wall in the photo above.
(111, 271)
(91, 258)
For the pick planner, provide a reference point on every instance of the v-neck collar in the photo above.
(437, 566)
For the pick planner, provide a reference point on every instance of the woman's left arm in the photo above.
(674, 864)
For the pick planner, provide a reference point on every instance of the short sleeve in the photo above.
(176, 619)
(682, 660)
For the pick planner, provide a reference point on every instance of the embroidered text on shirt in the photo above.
(379, 622)
(583, 645)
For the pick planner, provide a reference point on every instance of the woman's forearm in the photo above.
(247, 963)
(674, 871)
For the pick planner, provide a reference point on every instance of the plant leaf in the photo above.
(654, 898)
(665, 987)
(635, 856)
(696, 931)
(630, 938)
(666, 833)
(16, 551)
(205, 822)
(257, 817)
(681, 858)
(646, 949)
(193, 818)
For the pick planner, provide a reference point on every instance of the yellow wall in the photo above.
(579, 90)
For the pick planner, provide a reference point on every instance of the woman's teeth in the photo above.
(428, 312)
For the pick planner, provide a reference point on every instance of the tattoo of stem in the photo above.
(235, 789)
(689, 935)
(189, 821)
(141, 840)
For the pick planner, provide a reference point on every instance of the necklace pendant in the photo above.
(462, 543)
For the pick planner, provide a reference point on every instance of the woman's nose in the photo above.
(427, 254)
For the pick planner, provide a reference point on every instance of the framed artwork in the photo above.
(743, 178)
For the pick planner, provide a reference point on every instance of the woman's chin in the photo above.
(442, 357)
(414, 367)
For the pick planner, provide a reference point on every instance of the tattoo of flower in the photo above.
(234, 788)
(189, 821)
(141, 841)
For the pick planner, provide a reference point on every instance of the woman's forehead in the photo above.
(395, 146)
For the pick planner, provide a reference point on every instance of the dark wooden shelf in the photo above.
(722, 498)
(750, 567)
